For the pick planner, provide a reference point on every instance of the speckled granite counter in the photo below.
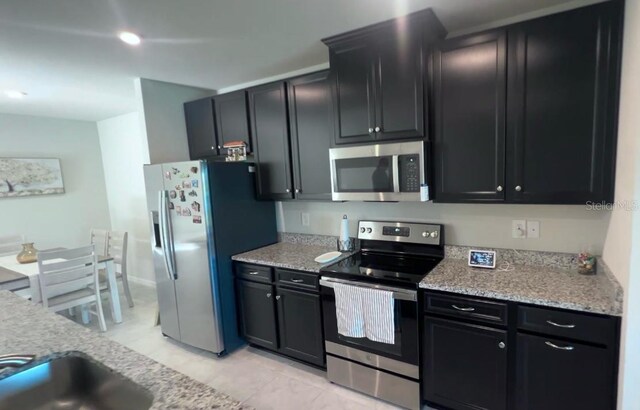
(540, 285)
(290, 255)
(29, 329)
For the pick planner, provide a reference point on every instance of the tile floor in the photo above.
(255, 377)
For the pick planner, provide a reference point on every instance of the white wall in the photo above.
(562, 228)
(56, 220)
(622, 246)
(161, 105)
(123, 156)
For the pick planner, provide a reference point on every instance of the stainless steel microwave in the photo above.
(384, 172)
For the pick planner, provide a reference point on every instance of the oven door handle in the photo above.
(398, 293)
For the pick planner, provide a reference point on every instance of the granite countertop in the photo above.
(297, 256)
(539, 285)
(29, 329)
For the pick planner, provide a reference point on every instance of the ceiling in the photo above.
(66, 55)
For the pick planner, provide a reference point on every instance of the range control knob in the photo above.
(369, 230)
(434, 234)
(425, 234)
(362, 230)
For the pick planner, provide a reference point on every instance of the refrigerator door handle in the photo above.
(167, 246)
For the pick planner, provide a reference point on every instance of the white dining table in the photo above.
(31, 290)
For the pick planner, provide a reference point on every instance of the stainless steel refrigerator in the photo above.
(201, 213)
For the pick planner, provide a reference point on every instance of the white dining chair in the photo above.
(99, 238)
(69, 279)
(117, 249)
(11, 244)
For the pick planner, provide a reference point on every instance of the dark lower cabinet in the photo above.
(201, 133)
(300, 325)
(257, 313)
(558, 375)
(464, 365)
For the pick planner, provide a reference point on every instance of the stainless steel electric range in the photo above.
(394, 256)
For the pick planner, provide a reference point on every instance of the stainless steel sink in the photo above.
(71, 380)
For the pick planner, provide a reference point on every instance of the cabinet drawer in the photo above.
(579, 326)
(462, 307)
(297, 279)
(257, 273)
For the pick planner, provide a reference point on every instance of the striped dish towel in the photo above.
(349, 312)
(378, 315)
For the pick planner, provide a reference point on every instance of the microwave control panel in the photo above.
(409, 172)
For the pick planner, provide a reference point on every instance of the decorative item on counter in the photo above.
(586, 263)
(345, 242)
(28, 254)
(236, 151)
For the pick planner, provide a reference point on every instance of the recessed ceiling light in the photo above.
(130, 38)
(15, 94)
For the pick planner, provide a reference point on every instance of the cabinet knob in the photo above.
(518, 188)
(499, 188)
(268, 295)
(278, 297)
(378, 129)
(212, 147)
(288, 190)
(501, 345)
(219, 147)
(370, 130)
(298, 191)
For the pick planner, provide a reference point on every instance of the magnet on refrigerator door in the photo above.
(182, 197)
(194, 183)
(171, 205)
(192, 193)
(172, 194)
(186, 211)
(197, 219)
(194, 170)
(167, 175)
(186, 184)
(195, 205)
(178, 209)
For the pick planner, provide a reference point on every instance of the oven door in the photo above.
(386, 172)
(404, 350)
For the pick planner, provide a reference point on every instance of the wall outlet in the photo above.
(519, 228)
(533, 229)
(304, 216)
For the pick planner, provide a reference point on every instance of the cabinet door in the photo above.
(353, 83)
(300, 325)
(270, 132)
(257, 313)
(557, 375)
(201, 133)
(312, 126)
(232, 121)
(469, 77)
(465, 366)
(399, 87)
(563, 81)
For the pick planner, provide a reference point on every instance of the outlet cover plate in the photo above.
(533, 229)
(305, 218)
(518, 229)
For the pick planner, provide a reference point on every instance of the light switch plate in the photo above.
(533, 229)
(519, 228)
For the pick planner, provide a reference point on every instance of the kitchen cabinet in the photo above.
(232, 120)
(281, 312)
(270, 133)
(527, 113)
(465, 365)
(257, 313)
(469, 88)
(378, 75)
(558, 375)
(312, 126)
(201, 134)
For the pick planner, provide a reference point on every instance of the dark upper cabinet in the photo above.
(312, 126)
(469, 95)
(300, 325)
(270, 133)
(554, 140)
(257, 313)
(378, 79)
(562, 109)
(201, 134)
(464, 365)
(232, 121)
(558, 375)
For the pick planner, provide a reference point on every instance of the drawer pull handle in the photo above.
(463, 309)
(254, 273)
(297, 280)
(558, 347)
(559, 325)
(268, 295)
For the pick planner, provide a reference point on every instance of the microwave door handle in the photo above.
(395, 172)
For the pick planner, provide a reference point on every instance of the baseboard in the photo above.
(141, 281)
